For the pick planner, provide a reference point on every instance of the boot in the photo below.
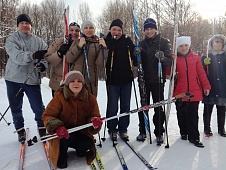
(62, 162)
(141, 137)
(21, 135)
(197, 143)
(222, 133)
(42, 131)
(113, 136)
(159, 140)
(124, 136)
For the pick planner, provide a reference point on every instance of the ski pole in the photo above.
(108, 92)
(183, 96)
(141, 80)
(28, 77)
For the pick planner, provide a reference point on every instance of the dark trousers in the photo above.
(79, 141)
(187, 116)
(33, 93)
(208, 108)
(118, 93)
(156, 91)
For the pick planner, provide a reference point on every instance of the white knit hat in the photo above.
(87, 22)
(183, 40)
(72, 75)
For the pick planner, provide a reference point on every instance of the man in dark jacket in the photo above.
(119, 78)
(156, 56)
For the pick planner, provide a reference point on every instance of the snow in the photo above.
(181, 155)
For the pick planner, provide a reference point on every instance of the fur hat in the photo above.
(116, 22)
(150, 23)
(183, 40)
(23, 17)
(87, 22)
(72, 75)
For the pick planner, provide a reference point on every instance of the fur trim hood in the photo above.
(210, 47)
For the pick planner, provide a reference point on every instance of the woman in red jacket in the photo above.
(192, 78)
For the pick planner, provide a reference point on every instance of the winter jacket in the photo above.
(20, 48)
(56, 64)
(69, 111)
(216, 74)
(120, 73)
(149, 47)
(191, 76)
(75, 56)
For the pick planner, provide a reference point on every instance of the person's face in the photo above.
(75, 32)
(183, 48)
(24, 27)
(217, 46)
(116, 32)
(75, 86)
(89, 31)
(150, 32)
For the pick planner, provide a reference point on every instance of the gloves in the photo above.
(136, 51)
(39, 54)
(207, 61)
(159, 55)
(97, 122)
(42, 65)
(63, 50)
(62, 132)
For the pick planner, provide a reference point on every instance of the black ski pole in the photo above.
(108, 92)
(28, 77)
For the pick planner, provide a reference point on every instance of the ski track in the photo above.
(181, 155)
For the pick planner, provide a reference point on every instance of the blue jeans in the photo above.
(33, 93)
(116, 93)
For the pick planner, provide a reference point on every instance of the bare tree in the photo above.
(84, 12)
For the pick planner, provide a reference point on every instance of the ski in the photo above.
(66, 34)
(173, 67)
(93, 165)
(138, 154)
(141, 81)
(22, 152)
(120, 155)
(45, 147)
(182, 96)
(99, 161)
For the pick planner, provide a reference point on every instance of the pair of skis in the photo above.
(137, 153)
(23, 149)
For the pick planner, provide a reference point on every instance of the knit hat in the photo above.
(87, 22)
(72, 75)
(23, 17)
(116, 22)
(183, 40)
(150, 23)
(74, 24)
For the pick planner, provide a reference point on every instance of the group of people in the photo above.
(74, 94)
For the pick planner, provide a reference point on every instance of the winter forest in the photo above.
(47, 18)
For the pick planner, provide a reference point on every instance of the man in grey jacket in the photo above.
(25, 51)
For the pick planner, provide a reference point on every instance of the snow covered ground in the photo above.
(181, 155)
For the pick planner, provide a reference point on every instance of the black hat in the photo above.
(23, 17)
(74, 24)
(116, 22)
(150, 23)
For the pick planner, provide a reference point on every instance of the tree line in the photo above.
(47, 18)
